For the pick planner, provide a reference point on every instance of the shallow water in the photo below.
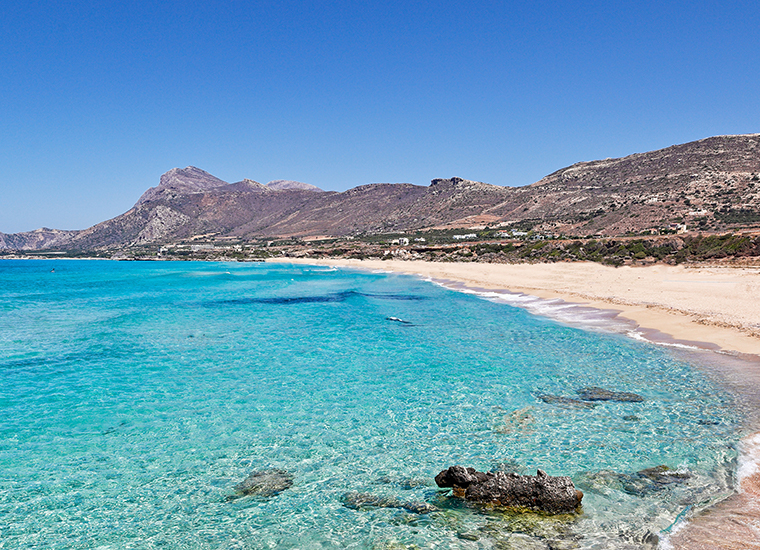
(134, 396)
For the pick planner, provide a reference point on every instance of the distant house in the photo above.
(419, 240)
(463, 237)
(403, 241)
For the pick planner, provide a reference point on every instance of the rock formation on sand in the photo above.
(542, 492)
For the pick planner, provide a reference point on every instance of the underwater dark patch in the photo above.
(324, 298)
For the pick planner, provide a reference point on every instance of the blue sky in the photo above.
(97, 100)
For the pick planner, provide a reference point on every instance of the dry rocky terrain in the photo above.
(711, 185)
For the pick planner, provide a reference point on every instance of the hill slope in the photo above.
(708, 184)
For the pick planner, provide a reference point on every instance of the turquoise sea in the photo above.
(135, 396)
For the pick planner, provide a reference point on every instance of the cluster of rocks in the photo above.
(540, 492)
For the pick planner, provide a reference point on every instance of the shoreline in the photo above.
(713, 308)
(707, 309)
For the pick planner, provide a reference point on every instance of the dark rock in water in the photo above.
(541, 492)
(593, 393)
(631, 418)
(566, 402)
(358, 501)
(265, 483)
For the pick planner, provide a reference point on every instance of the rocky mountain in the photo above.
(709, 184)
(182, 181)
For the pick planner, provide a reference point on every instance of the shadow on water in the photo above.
(324, 298)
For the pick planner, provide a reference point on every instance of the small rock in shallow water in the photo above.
(542, 492)
(593, 393)
(265, 483)
(631, 418)
(520, 420)
(519, 541)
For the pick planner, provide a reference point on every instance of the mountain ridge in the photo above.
(704, 184)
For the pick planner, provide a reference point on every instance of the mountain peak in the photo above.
(182, 181)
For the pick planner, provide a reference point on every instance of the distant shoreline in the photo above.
(715, 308)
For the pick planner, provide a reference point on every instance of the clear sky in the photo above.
(98, 99)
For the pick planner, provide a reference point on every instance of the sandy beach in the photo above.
(714, 308)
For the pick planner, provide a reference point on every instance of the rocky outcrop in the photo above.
(182, 181)
(161, 222)
(542, 492)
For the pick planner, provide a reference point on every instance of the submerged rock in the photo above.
(265, 483)
(593, 393)
(358, 501)
(566, 402)
(653, 480)
(404, 483)
(542, 492)
(641, 483)
(520, 420)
